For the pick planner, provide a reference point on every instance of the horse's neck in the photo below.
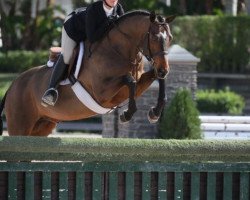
(129, 34)
(135, 27)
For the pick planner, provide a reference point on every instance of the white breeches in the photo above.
(68, 45)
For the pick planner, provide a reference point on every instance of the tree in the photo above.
(7, 10)
(140, 4)
(81, 3)
(27, 29)
(231, 7)
(247, 3)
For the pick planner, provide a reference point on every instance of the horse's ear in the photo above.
(152, 16)
(169, 19)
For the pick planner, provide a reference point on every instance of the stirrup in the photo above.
(50, 97)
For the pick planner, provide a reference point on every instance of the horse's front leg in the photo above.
(155, 112)
(127, 114)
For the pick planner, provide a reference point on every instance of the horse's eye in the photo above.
(154, 37)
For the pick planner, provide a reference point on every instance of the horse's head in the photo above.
(158, 40)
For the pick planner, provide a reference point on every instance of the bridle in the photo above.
(146, 40)
(143, 45)
(150, 56)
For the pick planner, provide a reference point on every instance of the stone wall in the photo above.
(113, 128)
(183, 73)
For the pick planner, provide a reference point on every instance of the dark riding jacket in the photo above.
(91, 23)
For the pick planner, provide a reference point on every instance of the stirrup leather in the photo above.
(50, 97)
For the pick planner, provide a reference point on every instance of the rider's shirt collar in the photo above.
(108, 11)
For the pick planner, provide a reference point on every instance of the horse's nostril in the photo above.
(162, 73)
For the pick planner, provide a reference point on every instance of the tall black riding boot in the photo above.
(51, 95)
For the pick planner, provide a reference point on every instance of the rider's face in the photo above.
(112, 3)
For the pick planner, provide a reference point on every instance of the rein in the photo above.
(137, 61)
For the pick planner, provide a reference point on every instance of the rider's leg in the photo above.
(51, 95)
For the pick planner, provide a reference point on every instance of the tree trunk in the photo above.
(209, 6)
(247, 2)
(231, 7)
(8, 32)
(183, 7)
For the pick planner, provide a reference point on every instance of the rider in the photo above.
(91, 24)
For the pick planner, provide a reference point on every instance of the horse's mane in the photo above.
(125, 16)
(132, 13)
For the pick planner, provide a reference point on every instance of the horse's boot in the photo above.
(51, 94)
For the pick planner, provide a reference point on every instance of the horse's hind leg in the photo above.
(43, 127)
(20, 125)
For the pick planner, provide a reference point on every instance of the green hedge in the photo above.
(19, 61)
(181, 118)
(122, 150)
(220, 102)
(222, 42)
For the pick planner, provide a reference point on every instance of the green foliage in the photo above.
(220, 102)
(222, 42)
(19, 61)
(21, 30)
(5, 81)
(140, 4)
(128, 5)
(81, 3)
(181, 119)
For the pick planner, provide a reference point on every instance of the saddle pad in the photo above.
(78, 65)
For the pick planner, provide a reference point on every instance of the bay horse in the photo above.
(112, 72)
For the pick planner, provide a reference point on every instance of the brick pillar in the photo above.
(183, 73)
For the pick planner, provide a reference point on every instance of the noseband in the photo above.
(150, 56)
(146, 45)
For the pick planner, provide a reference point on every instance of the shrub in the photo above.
(220, 102)
(181, 119)
(19, 61)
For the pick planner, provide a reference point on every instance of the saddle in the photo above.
(54, 53)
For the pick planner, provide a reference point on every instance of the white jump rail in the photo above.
(225, 127)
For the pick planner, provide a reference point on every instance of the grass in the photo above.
(5, 81)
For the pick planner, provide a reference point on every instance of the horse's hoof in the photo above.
(123, 119)
(152, 118)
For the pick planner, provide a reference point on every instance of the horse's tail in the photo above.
(1, 113)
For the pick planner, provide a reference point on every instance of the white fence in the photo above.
(225, 127)
(213, 127)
